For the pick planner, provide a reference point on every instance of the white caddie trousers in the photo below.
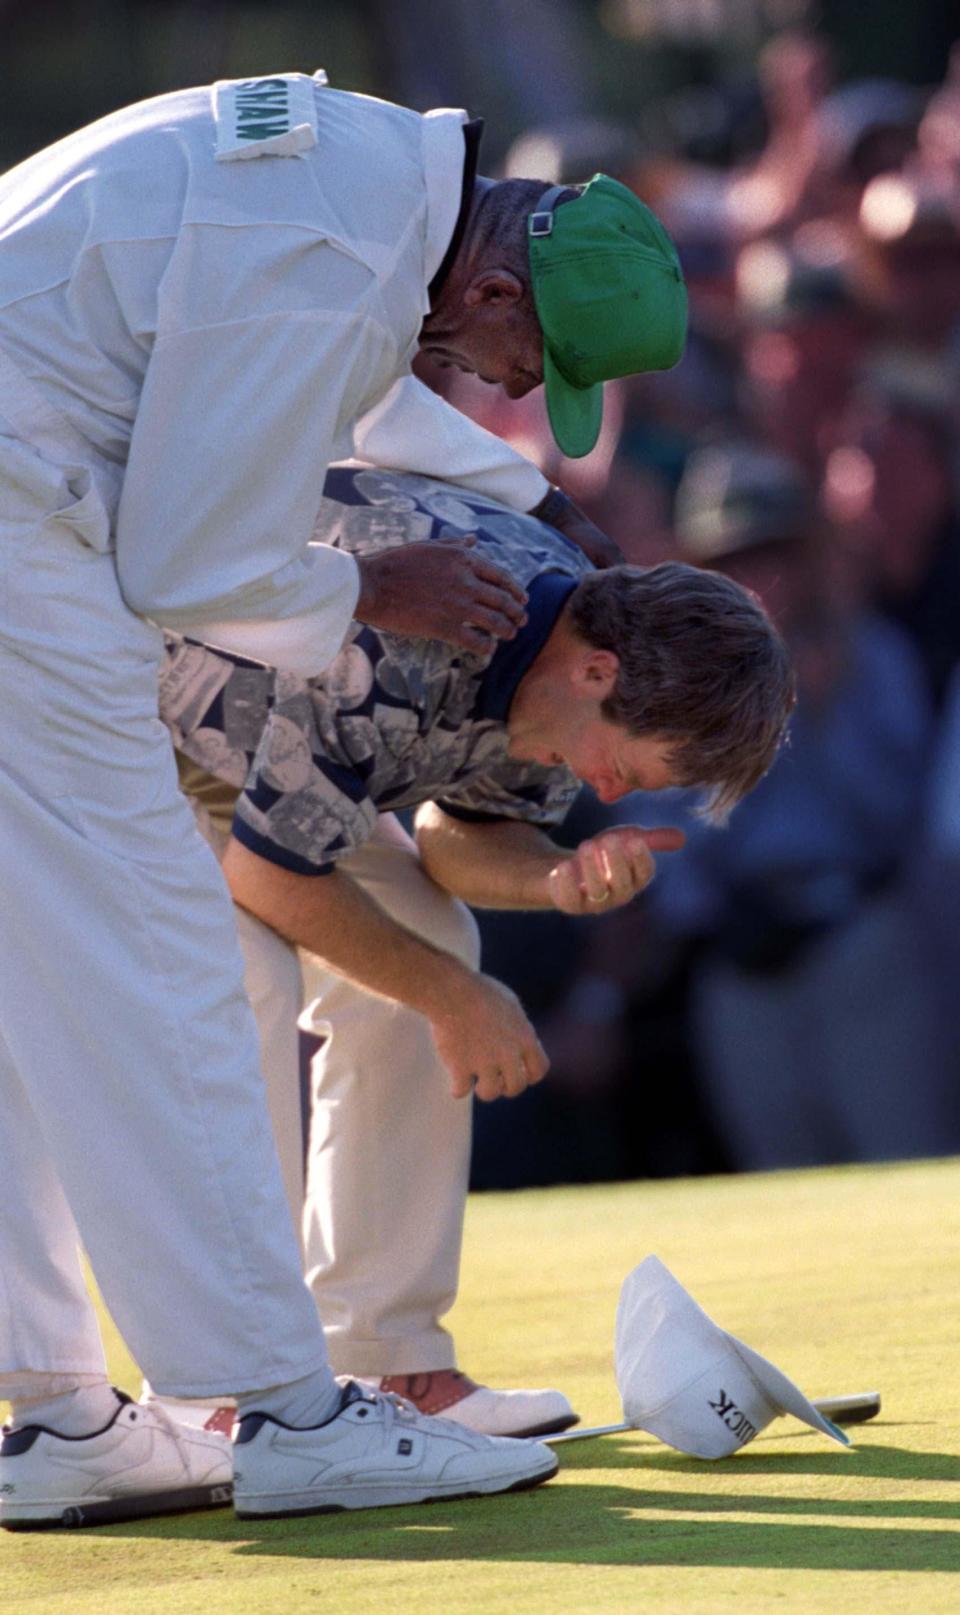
(129, 1079)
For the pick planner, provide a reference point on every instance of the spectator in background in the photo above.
(816, 1029)
(865, 128)
(803, 336)
(937, 892)
(909, 255)
(938, 138)
(795, 72)
(890, 488)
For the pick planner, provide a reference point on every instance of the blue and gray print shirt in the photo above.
(392, 722)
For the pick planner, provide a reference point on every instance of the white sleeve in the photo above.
(236, 425)
(413, 429)
(303, 645)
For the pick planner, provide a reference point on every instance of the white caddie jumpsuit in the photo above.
(199, 298)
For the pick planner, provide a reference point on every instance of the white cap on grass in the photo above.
(690, 1383)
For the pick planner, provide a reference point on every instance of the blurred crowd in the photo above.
(788, 991)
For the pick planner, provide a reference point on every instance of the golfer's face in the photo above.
(605, 756)
(615, 763)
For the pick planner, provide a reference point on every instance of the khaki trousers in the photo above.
(388, 1153)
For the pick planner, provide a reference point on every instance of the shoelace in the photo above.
(402, 1404)
(394, 1406)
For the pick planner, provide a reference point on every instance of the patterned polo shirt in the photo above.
(392, 722)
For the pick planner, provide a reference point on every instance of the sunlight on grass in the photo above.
(839, 1276)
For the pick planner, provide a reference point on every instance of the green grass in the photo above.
(846, 1278)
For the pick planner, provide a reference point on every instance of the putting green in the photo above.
(846, 1278)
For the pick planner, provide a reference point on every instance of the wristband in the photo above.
(552, 507)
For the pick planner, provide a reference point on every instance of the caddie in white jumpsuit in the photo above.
(199, 298)
(185, 342)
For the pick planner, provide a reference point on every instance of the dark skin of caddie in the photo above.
(484, 324)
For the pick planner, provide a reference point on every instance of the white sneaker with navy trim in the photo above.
(376, 1451)
(140, 1463)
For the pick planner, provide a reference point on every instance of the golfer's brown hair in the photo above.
(701, 666)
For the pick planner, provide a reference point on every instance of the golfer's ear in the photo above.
(595, 672)
(493, 286)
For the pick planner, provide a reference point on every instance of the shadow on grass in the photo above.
(873, 1462)
(603, 1524)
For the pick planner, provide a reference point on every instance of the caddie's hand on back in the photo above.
(440, 591)
(609, 869)
(485, 1040)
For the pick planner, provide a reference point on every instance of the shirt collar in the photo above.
(448, 176)
(472, 135)
(546, 597)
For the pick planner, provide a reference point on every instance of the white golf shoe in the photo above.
(141, 1463)
(453, 1395)
(376, 1451)
(447, 1392)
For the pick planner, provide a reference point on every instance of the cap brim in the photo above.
(780, 1390)
(576, 413)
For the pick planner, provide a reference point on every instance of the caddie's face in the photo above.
(501, 351)
(494, 334)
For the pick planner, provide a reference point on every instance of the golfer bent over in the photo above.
(621, 678)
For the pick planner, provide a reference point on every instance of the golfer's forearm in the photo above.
(333, 917)
(498, 865)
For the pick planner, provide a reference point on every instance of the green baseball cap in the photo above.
(610, 297)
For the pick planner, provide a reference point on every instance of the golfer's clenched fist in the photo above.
(609, 869)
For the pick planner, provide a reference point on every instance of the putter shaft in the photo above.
(854, 1409)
